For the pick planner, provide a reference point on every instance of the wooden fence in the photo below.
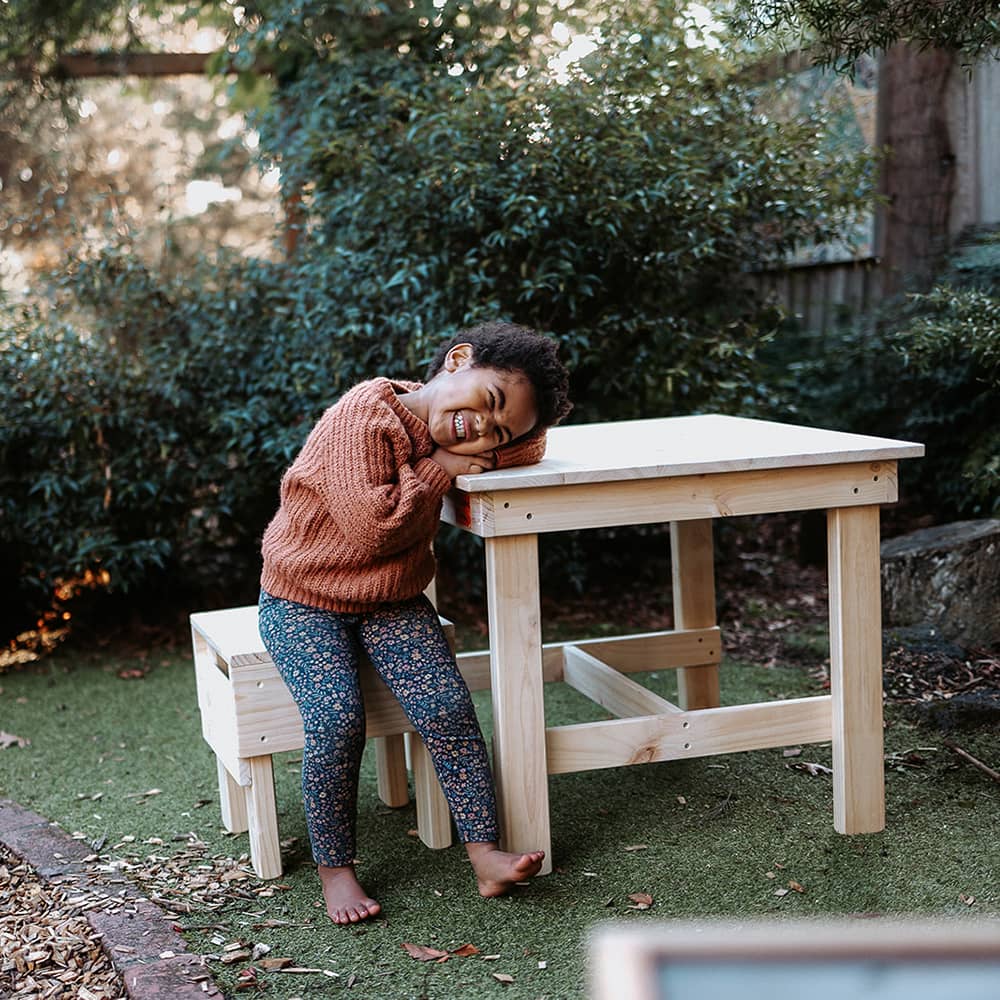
(822, 296)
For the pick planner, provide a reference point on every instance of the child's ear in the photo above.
(460, 356)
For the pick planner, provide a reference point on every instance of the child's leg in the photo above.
(409, 650)
(315, 653)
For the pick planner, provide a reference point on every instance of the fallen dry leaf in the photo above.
(465, 950)
(782, 892)
(811, 768)
(247, 979)
(635, 847)
(424, 954)
(502, 977)
(642, 900)
(797, 887)
(967, 899)
(10, 740)
(234, 956)
(275, 963)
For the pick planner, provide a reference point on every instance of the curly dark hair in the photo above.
(513, 348)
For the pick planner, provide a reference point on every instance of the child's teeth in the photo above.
(460, 425)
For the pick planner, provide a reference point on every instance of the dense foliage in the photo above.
(842, 30)
(926, 368)
(151, 445)
(448, 180)
(446, 172)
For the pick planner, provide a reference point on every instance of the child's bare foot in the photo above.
(346, 901)
(497, 871)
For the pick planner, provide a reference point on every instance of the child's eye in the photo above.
(492, 399)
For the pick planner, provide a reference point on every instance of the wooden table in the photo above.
(685, 471)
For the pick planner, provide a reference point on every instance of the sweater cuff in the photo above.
(527, 451)
(434, 475)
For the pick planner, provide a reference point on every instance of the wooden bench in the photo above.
(247, 715)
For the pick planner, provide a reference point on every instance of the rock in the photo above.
(948, 576)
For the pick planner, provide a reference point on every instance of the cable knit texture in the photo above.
(361, 503)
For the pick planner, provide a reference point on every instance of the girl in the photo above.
(346, 560)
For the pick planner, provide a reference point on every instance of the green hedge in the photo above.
(152, 444)
(147, 416)
(925, 368)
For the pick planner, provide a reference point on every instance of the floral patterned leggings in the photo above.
(316, 653)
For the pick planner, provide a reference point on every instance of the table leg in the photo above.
(518, 704)
(693, 573)
(856, 669)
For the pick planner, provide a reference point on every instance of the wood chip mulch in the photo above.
(48, 950)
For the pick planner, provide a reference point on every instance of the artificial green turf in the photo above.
(701, 836)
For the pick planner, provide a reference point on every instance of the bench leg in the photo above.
(693, 573)
(390, 766)
(433, 814)
(265, 850)
(232, 801)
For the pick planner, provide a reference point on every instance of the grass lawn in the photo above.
(121, 761)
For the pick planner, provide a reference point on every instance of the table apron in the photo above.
(533, 510)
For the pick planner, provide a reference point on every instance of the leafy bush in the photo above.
(446, 174)
(451, 175)
(151, 445)
(953, 342)
(926, 368)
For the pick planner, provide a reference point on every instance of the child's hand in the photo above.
(463, 465)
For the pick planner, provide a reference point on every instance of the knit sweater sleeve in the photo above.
(381, 496)
(527, 451)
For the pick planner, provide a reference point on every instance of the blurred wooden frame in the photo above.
(626, 963)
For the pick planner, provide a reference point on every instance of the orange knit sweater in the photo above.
(361, 503)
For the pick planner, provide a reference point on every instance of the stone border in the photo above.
(135, 935)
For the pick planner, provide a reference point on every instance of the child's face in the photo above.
(477, 409)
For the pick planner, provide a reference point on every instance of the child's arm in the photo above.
(527, 451)
(382, 504)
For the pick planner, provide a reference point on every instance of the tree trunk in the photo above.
(918, 176)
